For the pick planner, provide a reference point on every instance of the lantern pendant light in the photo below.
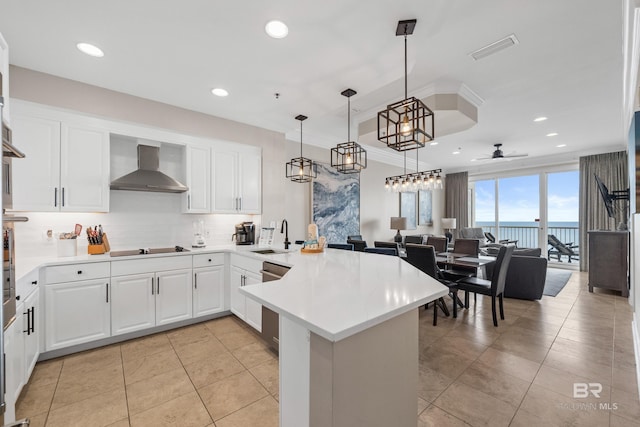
(300, 169)
(349, 157)
(407, 124)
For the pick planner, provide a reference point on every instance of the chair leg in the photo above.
(501, 307)
(493, 311)
(466, 299)
(443, 306)
(455, 304)
(475, 298)
(435, 314)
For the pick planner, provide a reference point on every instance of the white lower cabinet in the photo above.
(31, 331)
(14, 353)
(208, 290)
(144, 297)
(76, 312)
(243, 272)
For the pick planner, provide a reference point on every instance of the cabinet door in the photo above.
(76, 312)
(253, 309)
(174, 301)
(132, 303)
(36, 178)
(198, 180)
(237, 300)
(225, 182)
(84, 169)
(250, 179)
(15, 357)
(32, 332)
(208, 290)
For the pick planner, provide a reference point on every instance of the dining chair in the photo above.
(466, 246)
(439, 243)
(381, 244)
(493, 288)
(423, 257)
(344, 246)
(355, 237)
(417, 239)
(358, 245)
(383, 251)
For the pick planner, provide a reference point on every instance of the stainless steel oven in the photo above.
(270, 320)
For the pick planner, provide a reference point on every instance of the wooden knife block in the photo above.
(99, 249)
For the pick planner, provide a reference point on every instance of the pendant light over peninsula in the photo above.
(349, 157)
(300, 169)
(407, 124)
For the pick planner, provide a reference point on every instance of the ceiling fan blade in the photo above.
(512, 156)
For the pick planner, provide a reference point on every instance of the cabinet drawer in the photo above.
(205, 260)
(27, 283)
(247, 263)
(150, 265)
(74, 272)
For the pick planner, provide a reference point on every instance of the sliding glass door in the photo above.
(527, 208)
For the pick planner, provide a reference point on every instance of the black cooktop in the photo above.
(146, 251)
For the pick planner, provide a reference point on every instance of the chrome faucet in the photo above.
(284, 228)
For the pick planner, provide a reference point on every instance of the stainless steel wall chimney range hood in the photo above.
(147, 177)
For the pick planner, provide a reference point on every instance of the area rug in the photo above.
(556, 279)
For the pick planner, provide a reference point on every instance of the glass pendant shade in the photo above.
(348, 157)
(301, 169)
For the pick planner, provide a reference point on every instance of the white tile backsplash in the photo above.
(136, 220)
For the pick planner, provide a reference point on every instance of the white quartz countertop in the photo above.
(334, 294)
(338, 293)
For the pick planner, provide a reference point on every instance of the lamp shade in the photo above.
(449, 223)
(398, 223)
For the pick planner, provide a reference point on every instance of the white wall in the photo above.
(154, 219)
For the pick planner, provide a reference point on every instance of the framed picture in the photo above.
(425, 216)
(408, 209)
(336, 204)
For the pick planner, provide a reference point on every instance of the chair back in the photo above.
(355, 237)
(466, 246)
(439, 243)
(490, 237)
(471, 233)
(417, 239)
(422, 257)
(559, 246)
(358, 245)
(383, 251)
(392, 245)
(500, 269)
(344, 246)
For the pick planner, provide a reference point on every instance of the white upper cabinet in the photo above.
(66, 167)
(198, 198)
(237, 180)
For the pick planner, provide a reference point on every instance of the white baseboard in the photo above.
(636, 347)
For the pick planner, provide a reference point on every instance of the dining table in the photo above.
(452, 260)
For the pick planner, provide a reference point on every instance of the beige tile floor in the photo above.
(219, 373)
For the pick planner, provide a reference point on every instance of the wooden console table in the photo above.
(609, 260)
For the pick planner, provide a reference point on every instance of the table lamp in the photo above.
(449, 224)
(398, 223)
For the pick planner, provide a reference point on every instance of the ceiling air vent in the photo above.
(494, 47)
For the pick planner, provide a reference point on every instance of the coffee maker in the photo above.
(245, 233)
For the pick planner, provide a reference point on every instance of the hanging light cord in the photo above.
(405, 64)
(300, 138)
(348, 119)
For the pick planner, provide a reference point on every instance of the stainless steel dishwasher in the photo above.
(270, 321)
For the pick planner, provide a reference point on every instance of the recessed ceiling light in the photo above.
(219, 92)
(276, 29)
(90, 50)
(456, 152)
(552, 134)
(561, 145)
(433, 143)
(540, 119)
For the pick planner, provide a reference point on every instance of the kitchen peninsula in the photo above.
(348, 337)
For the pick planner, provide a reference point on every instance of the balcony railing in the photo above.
(527, 237)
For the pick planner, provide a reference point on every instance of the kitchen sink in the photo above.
(266, 251)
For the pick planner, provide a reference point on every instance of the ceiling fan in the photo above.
(498, 154)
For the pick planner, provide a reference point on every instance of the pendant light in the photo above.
(348, 157)
(300, 169)
(407, 124)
